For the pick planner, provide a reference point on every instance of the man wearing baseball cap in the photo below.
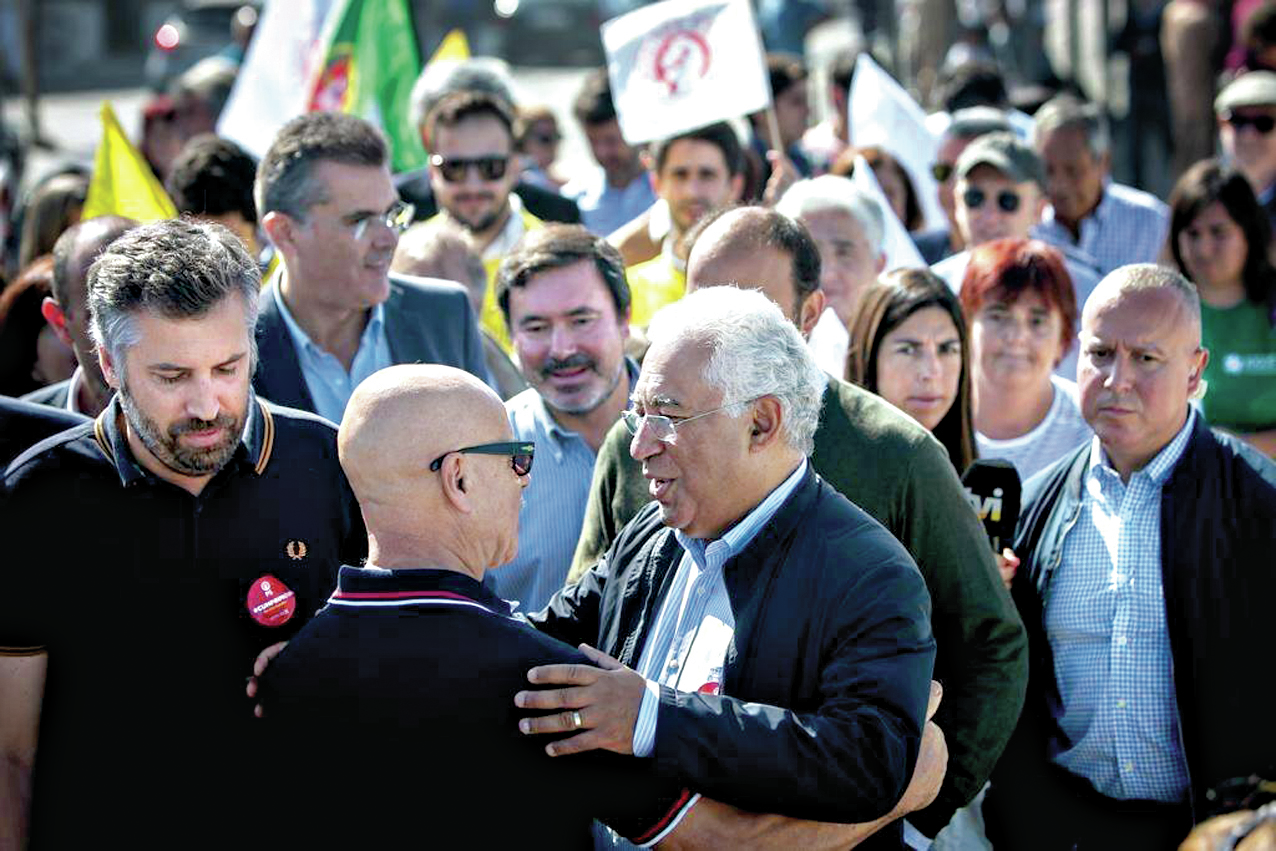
(1000, 194)
(1246, 111)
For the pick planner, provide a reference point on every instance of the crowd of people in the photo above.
(743, 598)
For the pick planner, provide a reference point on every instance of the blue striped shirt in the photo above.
(1128, 226)
(687, 646)
(1105, 620)
(553, 505)
(329, 383)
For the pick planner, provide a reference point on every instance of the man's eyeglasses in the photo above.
(974, 199)
(453, 169)
(397, 219)
(520, 453)
(663, 428)
(942, 171)
(1262, 124)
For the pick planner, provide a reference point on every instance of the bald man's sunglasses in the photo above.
(520, 453)
(453, 169)
(1263, 124)
(975, 198)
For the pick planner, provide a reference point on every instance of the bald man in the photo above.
(409, 672)
(1146, 583)
(884, 462)
(67, 312)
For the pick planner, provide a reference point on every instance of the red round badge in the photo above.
(270, 602)
(710, 688)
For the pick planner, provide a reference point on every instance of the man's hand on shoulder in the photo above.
(932, 761)
(259, 667)
(601, 702)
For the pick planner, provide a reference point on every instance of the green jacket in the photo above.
(891, 467)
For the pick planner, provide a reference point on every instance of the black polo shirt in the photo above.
(24, 424)
(152, 604)
(408, 678)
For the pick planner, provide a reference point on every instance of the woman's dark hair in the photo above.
(880, 158)
(884, 307)
(20, 325)
(1207, 182)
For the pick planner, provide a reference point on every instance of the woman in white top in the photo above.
(1019, 301)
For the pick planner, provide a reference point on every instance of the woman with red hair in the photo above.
(1021, 309)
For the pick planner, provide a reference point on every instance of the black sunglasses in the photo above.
(453, 168)
(1263, 124)
(942, 171)
(520, 453)
(974, 199)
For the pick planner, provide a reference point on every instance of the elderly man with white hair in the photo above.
(772, 640)
(848, 226)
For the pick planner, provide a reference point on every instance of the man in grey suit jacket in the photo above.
(333, 314)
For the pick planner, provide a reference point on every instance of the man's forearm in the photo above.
(712, 824)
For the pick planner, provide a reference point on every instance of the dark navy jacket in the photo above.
(404, 684)
(1218, 565)
(826, 679)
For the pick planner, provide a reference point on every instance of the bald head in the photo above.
(400, 419)
(439, 249)
(462, 515)
(758, 248)
(1126, 282)
(1141, 361)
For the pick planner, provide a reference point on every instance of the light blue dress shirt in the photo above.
(603, 207)
(554, 502)
(697, 597)
(1128, 226)
(1105, 620)
(329, 384)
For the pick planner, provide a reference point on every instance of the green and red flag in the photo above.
(370, 60)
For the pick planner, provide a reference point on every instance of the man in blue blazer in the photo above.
(333, 314)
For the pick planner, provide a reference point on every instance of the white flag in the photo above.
(271, 86)
(883, 115)
(682, 64)
(896, 243)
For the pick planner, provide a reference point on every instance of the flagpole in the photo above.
(773, 128)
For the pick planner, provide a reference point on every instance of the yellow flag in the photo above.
(454, 46)
(122, 182)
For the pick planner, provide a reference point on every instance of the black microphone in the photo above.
(994, 490)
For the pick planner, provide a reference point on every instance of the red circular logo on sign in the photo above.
(270, 602)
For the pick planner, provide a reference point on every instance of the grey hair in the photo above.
(975, 121)
(1064, 111)
(830, 192)
(439, 79)
(285, 177)
(1137, 277)
(177, 268)
(756, 351)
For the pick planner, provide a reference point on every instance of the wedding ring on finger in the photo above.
(577, 723)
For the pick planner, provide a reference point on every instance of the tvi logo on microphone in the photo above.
(989, 507)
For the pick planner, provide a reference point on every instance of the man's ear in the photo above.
(52, 313)
(455, 490)
(767, 419)
(1195, 379)
(881, 262)
(280, 229)
(737, 187)
(810, 311)
(109, 367)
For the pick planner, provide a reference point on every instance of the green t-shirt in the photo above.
(1242, 368)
